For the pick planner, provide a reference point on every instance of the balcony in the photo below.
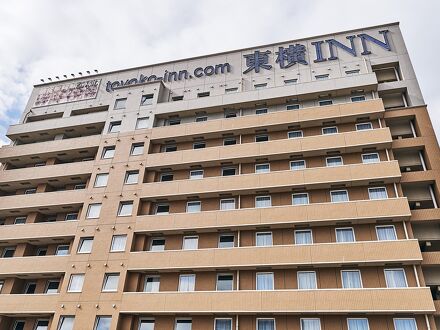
(351, 175)
(411, 300)
(28, 304)
(427, 215)
(353, 141)
(315, 214)
(31, 231)
(431, 258)
(362, 253)
(419, 176)
(346, 112)
(33, 265)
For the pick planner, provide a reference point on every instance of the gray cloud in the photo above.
(46, 38)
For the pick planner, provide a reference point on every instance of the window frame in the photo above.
(322, 102)
(265, 318)
(263, 196)
(105, 281)
(340, 228)
(226, 247)
(386, 240)
(222, 318)
(63, 318)
(377, 199)
(62, 245)
(261, 111)
(327, 127)
(112, 241)
(364, 123)
(302, 193)
(229, 168)
(192, 284)
(306, 271)
(98, 318)
(298, 160)
(404, 276)
(302, 230)
(159, 205)
(127, 175)
(156, 239)
(257, 136)
(147, 276)
(309, 318)
(338, 190)
(137, 145)
(82, 275)
(262, 164)
(113, 124)
(191, 171)
(121, 206)
(227, 199)
(358, 318)
(140, 120)
(263, 233)
(99, 176)
(224, 274)
(199, 203)
(81, 242)
(106, 149)
(123, 100)
(256, 281)
(370, 153)
(146, 97)
(293, 106)
(88, 210)
(351, 270)
(334, 157)
(47, 286)
(358, 96)
(201, 119)
(193, 237)
(404, 318)
(295, 131)
(199, 144)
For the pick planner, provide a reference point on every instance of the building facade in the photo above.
(287, 186)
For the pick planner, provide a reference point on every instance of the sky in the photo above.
(48, 38)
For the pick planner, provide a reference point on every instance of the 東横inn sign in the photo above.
(285, 57)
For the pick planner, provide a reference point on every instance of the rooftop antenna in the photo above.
(88, 72)
(96, 71)
(50, 79)
(72, 75)
(65, 76)
(57, 77)
(42, 80)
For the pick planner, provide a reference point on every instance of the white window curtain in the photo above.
(264, 239)
(344, 235)
(300, 199)
(395, 278)
(351, 279)
(76, 282)
(266, 324)
(152, 284)
(310, 324)
(358, 324)
(187, 282)
(377, 193)
(118, 243)
(297, 165)
(227, 204)
(190, 243)
(386, 233)
(339, 196)
(370, 158)
(306, 280)
(263, 201)
(146, 325)
(183, 325)
(265, 281)
(405, 324)
(223, 324)
(303, 237)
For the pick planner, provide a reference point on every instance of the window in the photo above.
(377, 193)
(187, 282)
(152, 283)
(227, 171)
(42, 325)
(260, 111)
(196, 174)
(227, 204)
(262, 168)
(225, 282)
(199, 145)
(19, 325)
(137, 149)
(183, 325)
(395, 278)
(290, 81)
(364, 126)
(131, 177)
(405, 324)
(193, 207)
(108, 152)
(71, 216)
(110, 282)
(351, 72)
(351, 279)
(306, 280)
(85, 245)
(260, 86)
(8, 252)
(103, 323)
(170, 148)
(190, 243)
(358, 324)
(66, 323)
(62, 250)
(223, 324)
(20, 220)
(322, 76)
(231, 90)
(230, 113)
(329, 130)
(93, 211)
(264, 281)
(263, 201)
(177, 98)
(42, 251)
(358, 98)
(295, 134)
(147, 99)
(265, 324)
(146, 324)
(120, 103)
(1, 285)
(339, 196)
(303, 236)
(125, 209)
(200, 119)
(30, 288)
(162, 209)
(310, 324)
(325, 102)
(80, 186)
(263, 239)
(157, 244)
(75, 283)
(386, 233)
(166, 177)
(40, 164)
(226, 241)
(296, 165)
(229, 141)
(370, 158)
(52, 287)
(30, 191)
(344, 235)
(115, 126)
(101, 180)
(203, 94)
(118, 243)
(261, 138)
(300, 199)
(334, 161)
(292, 107)
(142, 122)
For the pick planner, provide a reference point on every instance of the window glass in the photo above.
(187, 282)
(338, 196)
(52, 287)
(101, 180)
(162, 209)
(20, 221)
(344, 235)
(201, 119)
(114, 127)
(142, 123)
(386, 233)
(325, 102)
(306, 280)
(146, 325)
(19, 325)
(170, 148)
(42, 325)
(226, 241)
(262, 138)
(295, 134)
(297, 165)
(76, 283)
(300, 199)
(330, 130)
(137, 149)
(125, 209)
(110, 282)
(229, 141)
(264, 281)
(193, 207)
(120, 103)
(358, 98)
(183, 325)
(190, 243)
(261, 111)
(62, 250)
(334, 161)
(405, 324)
(199, 145)
(370, 158)
(157, 244)
(223, 324)
(66, 323)
(164, 177)
(364, 126)
(351, 279)
(262, 168)
(71, 216)
(131, 177)
(303, 236)
(8, 252)
(358, 324)
(30, 288)
(118, 243)
(263, 201)
(395, 278)
(265, 324)
(196, 174)
(103, 322)
(229, 171)
(93, 211)
(292, 107)
(152, 283)
(377, 193)
(85, 245)
(227, 204)
(147, 99)
(108, 152)
(225, 282)
(310, 324)
(263, 239)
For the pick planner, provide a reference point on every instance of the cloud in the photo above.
(47, 38)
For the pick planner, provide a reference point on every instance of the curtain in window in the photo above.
(405, 324)
(223, 324)
(187, 282)
(300, 199)
(263, 202)
(66, 323)
(339, 196)
(265, 281)
(146, 325)
(266, 325)
(370, 158)
(386, 233)
(264, 239)
(306, 280)
(377, 193)
(395, 278)
(303, 237)
(310, 324)
(344, 235)
(357, 324)
(119, 242)
(351, 279)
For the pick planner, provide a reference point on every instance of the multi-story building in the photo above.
(287, 186)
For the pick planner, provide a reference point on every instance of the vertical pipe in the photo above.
(406, 230)
(413, 130)
(433, 196)
(422, 160)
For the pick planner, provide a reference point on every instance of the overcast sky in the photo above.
(46, 38)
